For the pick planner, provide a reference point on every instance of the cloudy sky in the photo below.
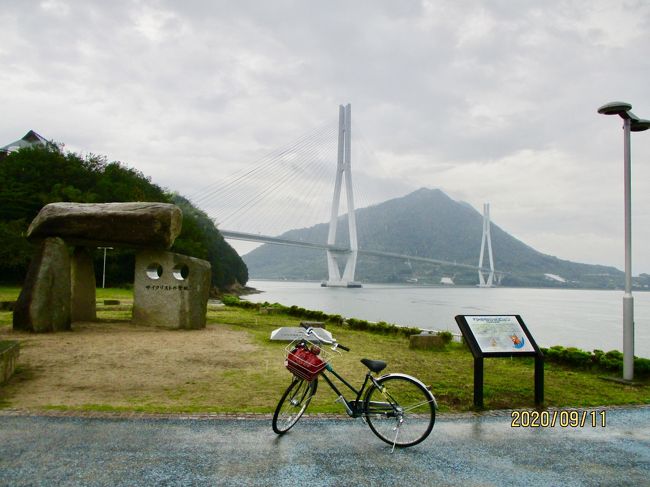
(491, 101)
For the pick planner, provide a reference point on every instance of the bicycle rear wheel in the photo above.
(401, 412)
(293, 404)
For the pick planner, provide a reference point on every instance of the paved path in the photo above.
(465, 450)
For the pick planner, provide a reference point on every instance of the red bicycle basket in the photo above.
(304, 363)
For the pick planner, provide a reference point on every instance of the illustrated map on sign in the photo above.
(499, 334)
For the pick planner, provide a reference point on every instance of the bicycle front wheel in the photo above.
(293, 404)
(401, 411)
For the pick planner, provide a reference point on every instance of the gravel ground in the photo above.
(467, 450)
(122, 364)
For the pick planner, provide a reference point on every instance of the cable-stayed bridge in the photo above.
(254, 237)
(285, 189)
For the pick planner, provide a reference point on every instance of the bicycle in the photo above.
(398, 408)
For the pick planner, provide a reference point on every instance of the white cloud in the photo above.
(490, 101)
(476, 27)
(57, 8)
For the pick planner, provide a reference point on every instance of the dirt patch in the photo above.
(120, 365)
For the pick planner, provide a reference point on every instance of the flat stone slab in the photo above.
(141, 224)
(291, 333)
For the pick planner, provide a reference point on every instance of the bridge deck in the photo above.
(252, 237)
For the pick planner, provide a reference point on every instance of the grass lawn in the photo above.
(232, 366)
(509, 383)
(9, 293)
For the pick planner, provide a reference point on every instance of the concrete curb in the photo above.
(268, 416)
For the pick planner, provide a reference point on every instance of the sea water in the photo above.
(587, 319)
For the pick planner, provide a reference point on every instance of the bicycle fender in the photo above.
(414, 379)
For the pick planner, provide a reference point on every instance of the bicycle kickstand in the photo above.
(396, 433)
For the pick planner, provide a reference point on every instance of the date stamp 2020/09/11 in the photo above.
(564, 418)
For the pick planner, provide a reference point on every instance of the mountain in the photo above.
(426, 223)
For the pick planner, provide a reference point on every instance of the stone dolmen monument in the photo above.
(170, 289)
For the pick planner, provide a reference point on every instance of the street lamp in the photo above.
(631, 123)
(104, 272)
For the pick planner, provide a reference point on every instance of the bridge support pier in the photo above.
(482, 282)
(335, 278)
(343, 173)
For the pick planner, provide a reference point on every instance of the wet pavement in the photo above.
(462, 450)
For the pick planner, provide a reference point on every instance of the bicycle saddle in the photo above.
(374, 365)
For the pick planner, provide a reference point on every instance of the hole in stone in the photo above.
(154, 271)
(181, 271)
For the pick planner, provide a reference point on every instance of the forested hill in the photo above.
(33, 177)
(426, 223)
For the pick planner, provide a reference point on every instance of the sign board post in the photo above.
(500, 336)
(478, 382)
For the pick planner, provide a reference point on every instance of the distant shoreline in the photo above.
(444, 286)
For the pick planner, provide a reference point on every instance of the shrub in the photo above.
(230, 300)
(611, 361)
(577, 357)
(446, 336)
(641, 366)
(335, 319)
(355, 324)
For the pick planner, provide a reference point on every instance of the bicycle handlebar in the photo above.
(310, 331)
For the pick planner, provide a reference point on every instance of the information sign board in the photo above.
(499, 334)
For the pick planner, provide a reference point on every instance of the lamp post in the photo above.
(104, 272)
(631, 123)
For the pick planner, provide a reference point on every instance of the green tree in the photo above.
(34, 177)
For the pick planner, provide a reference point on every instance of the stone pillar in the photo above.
(83, 306)
(170, 290)
(44, 301)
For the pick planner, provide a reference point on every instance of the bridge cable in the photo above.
(286, 173)
(309, 193)
(273, 155)
(268, 160)
(232, 188)
(281, 178)
(285, 218)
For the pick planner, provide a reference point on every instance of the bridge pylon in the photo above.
(482, 282)
(343, 176)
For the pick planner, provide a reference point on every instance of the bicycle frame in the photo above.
(353, 408)
(356, 408)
